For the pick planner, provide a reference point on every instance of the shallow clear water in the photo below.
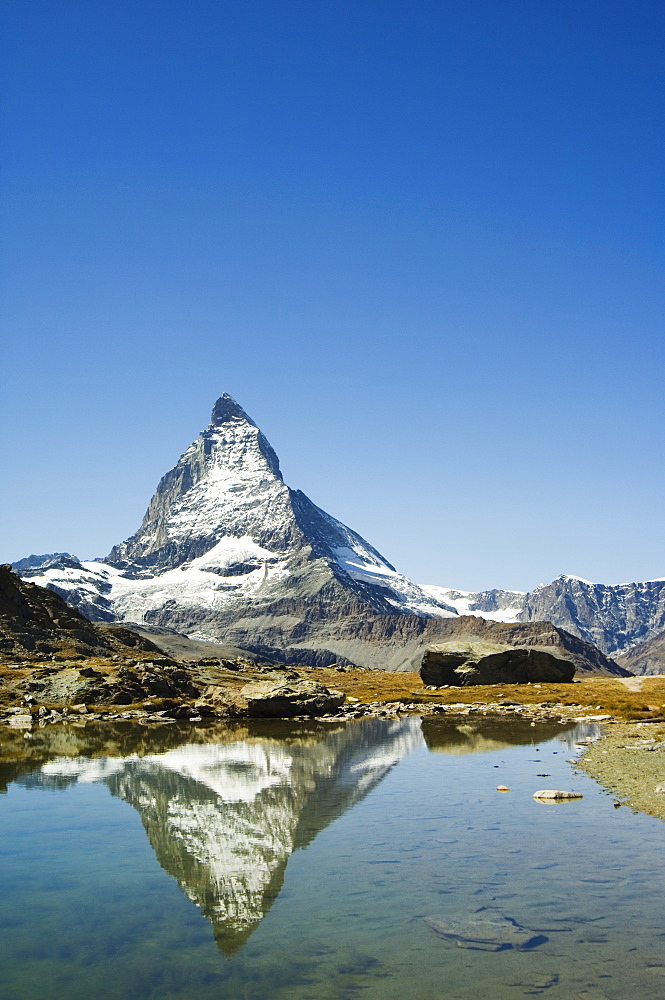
(305, 861)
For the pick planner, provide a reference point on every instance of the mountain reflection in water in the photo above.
(225, 807)
(224, 818)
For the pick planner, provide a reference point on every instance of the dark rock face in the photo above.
(467, 663)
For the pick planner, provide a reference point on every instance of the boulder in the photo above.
(265, 699)
(460, 663)
(485, 932)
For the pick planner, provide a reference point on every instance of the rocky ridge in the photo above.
(615, 618)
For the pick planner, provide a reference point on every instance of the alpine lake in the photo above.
(319, 861)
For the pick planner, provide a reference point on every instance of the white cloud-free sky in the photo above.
(421, 244)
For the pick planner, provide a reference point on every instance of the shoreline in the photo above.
(628, 758)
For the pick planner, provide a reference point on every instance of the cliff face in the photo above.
(645, 658)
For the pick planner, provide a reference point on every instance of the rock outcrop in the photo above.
(284, 701)
(466, 663)
(35, 623)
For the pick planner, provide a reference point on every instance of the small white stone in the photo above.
(553, 793)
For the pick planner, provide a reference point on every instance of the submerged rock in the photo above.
(485, 933)
(460, 663)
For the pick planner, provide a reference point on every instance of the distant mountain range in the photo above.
(615, 618)
(227, 552)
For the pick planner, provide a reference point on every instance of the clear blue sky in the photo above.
(421, 243)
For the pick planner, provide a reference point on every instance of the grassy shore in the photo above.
(605, 695)
(630, 761)
(630, 758)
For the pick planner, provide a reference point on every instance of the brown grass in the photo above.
(597, 694)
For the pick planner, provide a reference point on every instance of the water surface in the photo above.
(312, 861)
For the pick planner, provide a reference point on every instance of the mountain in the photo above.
(227, 552)
(225, 511)
(494, 605)
(615, 618)
(41, 562)
(645, 658)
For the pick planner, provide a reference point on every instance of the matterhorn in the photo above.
(227, 553)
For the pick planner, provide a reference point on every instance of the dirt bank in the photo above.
(630, 760)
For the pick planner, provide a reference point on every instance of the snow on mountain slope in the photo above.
(85, 585)
(493, 605)
(227, 484)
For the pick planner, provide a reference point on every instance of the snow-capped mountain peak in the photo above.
(225, 538)
(226, 484)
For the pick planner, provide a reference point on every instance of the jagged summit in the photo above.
(225, 509)
(226, 408)
(227, 484)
